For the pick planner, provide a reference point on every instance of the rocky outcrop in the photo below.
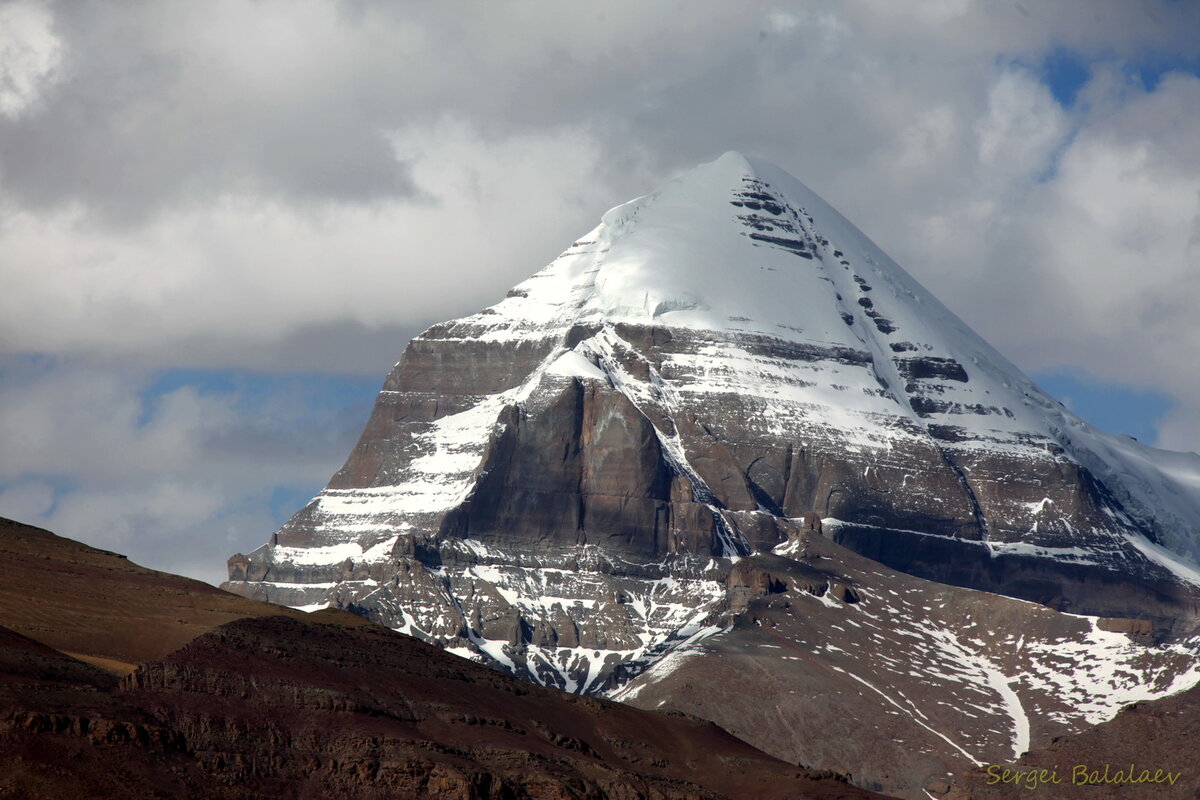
(1138, 628)
(587, 469)
(748, 581)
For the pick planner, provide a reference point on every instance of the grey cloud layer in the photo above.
(178, 479)
(302, 185)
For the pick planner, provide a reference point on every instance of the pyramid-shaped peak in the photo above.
(730, 173)
(560, 483)
(733, 244)
(728, 169)
(736, 159)
(733, 171)
(732, 167)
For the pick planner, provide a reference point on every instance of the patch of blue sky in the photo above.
(58, 485)
(273, 506)
(284, 501)
(1152, 67)
(1111, 407)
(1050, 171)
(1065, 73)
(299, 407)
(290, 394)
(309, 412)
(17, 369)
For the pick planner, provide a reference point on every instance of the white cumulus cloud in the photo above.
(30, 54)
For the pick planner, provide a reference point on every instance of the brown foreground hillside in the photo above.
(230, 699)
(100, 607)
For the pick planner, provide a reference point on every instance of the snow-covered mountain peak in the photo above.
(582, 480)
(715, 248)
(736, 245)
(735, 280)
(645, 447)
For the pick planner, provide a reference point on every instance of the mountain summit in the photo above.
(585, 482)
(761, 359)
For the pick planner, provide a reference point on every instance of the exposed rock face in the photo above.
(560, 483)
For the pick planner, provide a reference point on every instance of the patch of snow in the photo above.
(1160, 555)
(308, 609)
(573, 364)
(331, 554)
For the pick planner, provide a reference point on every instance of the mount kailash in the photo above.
(724, 455)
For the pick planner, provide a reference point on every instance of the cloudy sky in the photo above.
(220, 222)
